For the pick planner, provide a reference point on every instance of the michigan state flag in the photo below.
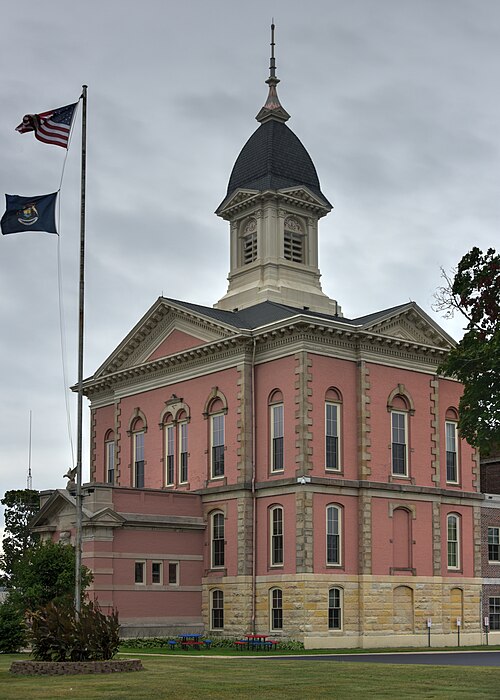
(29, 214)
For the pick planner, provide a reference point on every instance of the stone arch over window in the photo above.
(452, 413)
(333, 394)
(216, 403)
(177, 409)
(400, 400)
(294, 248)
(403, 609)
(137, 422)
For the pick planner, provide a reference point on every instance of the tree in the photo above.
(475, 361)
(20, 506)
(46, 573)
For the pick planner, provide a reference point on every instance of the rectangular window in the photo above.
(156, 572)
(333, 535)
(276, 536)
(277, 462)
(139, 572)
(217, 445)
(334, 609)
(451, 452)
(276, 609)
(453, 542)
(173, 573)
(399, 444)
(217, 610)
(183, 452)
(170, 455)
(494, 613)
(494, 544)
(110, 461)
(332, 456)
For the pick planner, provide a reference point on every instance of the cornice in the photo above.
(243, 200)
(274, 341)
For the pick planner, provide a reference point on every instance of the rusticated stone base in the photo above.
(67, 668)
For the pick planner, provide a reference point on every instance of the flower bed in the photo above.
(66, 668)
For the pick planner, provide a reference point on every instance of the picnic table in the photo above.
(257, 641)
(190, 641)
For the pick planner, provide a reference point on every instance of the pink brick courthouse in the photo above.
(268, 464)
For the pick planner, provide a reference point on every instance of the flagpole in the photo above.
(81, 297)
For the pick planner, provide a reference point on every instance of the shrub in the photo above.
(59, 634)
(12, 628)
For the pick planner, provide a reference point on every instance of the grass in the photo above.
(193, 676)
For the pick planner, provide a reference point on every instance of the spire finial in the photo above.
(272, 109)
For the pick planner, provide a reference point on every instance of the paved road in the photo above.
(450, 658)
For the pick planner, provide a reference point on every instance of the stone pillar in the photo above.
(436, 538)
(303, 410)
(365, 531)
(435, 432)
(245, 529)
(245, 418)
(364, 421)
(304, 539)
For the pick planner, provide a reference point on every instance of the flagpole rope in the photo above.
(62, 336)
(62, 318)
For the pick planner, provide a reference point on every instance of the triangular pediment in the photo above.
(409, 323)
(303, 194)
(166, 329)
(240, 197)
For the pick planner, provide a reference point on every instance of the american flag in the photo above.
(52, 127)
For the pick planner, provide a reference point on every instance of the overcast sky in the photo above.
(396, 101)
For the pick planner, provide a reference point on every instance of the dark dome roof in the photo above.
(273, 158)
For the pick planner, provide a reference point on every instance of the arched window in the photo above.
(335, 608)
(293, 240)
(169, 429)
(276, 430)
(109, 456)
(451, 435)
(215, 411)
(333, 535)
(137, 432)
(249, 242)
(453, 540)
(217, 610)
(218, 541)
(276, 608)
(182, 431)
(400, 406)
(333, 402)
(276, 535)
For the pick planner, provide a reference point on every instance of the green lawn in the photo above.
(192, 677)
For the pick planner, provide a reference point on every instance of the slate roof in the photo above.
(273, 158)
(255, 316)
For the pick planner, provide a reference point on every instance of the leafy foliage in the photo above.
(12, 628)
(475, 361)
(58, 633)
(20, 506)
(217, 643)
(45, 573)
